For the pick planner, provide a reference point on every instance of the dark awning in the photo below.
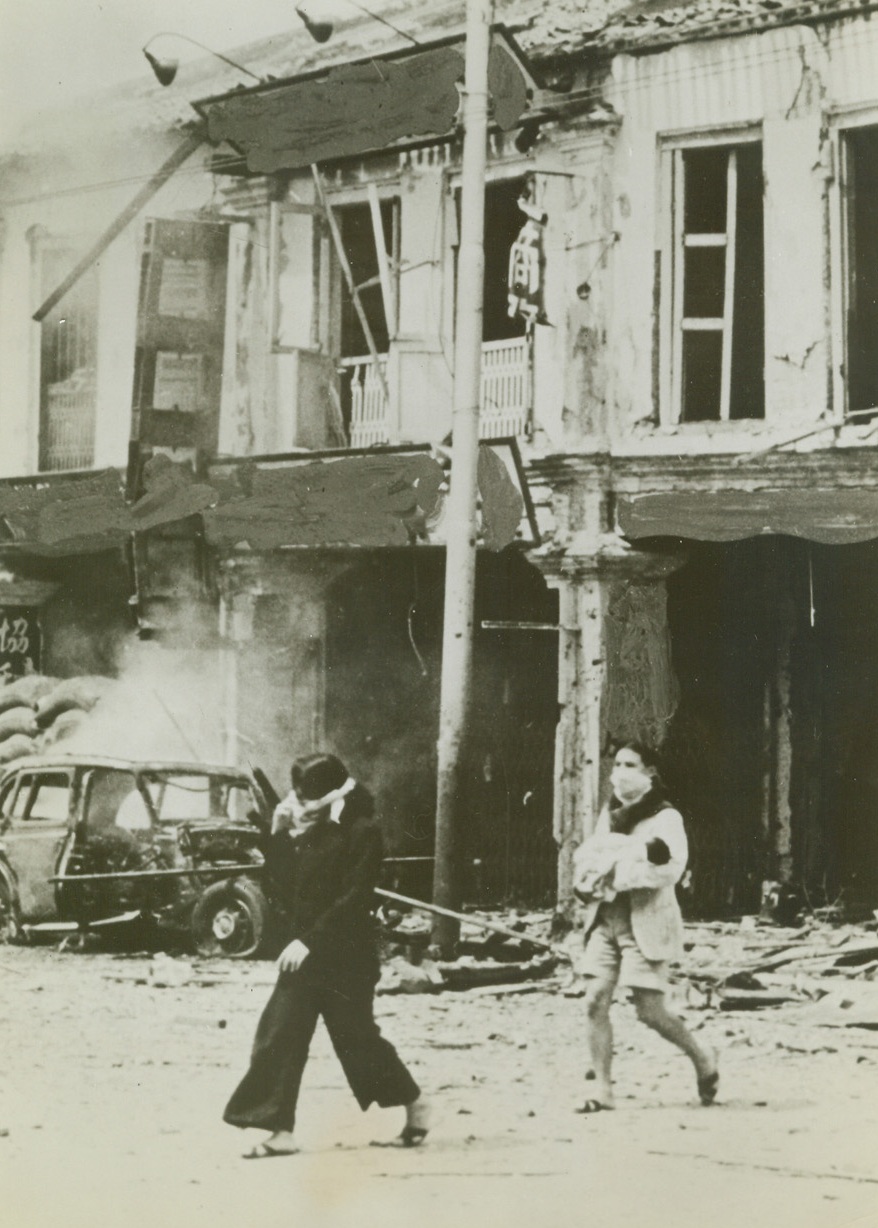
(832, 516)
(381, 498)
(364, 105)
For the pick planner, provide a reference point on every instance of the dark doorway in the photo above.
(773, 751)
(383, 660)
(713, 755)
(839, 850)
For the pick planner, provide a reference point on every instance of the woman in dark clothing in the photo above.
(324, 856)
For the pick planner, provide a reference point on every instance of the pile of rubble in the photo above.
(816, 973)
(484, 959)
(37, 711)
(831, 970)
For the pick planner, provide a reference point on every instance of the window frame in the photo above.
(82, 304)
(842, 122)
(332, 285)
(670, 243)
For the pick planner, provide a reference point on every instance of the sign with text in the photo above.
(19, 642)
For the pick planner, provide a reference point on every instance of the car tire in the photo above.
(231, 919)
(10, 919)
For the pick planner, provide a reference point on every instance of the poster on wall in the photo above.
(185, 289)
(19, 642)
(178, 382)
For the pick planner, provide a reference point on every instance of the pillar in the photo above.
(615, 677)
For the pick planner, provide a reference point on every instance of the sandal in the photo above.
(409, 1136)
(263, 1151)
(594, 1106)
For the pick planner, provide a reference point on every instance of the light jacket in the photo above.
(656, 919)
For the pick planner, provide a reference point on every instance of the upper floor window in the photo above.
(713, 289)
(503, 222)
(360, 240)
(68, 363)
(860, 183)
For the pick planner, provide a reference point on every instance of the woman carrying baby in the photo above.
(625, 875)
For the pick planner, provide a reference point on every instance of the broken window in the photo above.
(860, 177)
(68, 365)
(362, 410)
(358, 239)
(716, 296)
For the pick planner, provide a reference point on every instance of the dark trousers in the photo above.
(267, 1095)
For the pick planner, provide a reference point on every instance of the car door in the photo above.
(37, 814)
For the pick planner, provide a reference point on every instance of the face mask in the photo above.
(630, 783)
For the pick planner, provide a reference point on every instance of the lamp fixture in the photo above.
(166, 69)
(321, 31)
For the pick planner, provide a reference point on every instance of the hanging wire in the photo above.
(413, 605)
(597, 93)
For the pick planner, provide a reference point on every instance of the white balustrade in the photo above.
(507, 393)
(506, 388)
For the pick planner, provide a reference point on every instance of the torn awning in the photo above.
(832, 516)
(366, 105)
(382, 498)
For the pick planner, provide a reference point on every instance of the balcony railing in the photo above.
(365, 396)
(69, 423)
(506, 402)
(507, 391)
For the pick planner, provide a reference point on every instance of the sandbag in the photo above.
(17, 720)
(16, 747)
(27, 691)
(62, 726)
(82, 693)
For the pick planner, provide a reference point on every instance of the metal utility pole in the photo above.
(460, 558)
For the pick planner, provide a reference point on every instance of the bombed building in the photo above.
(227, 334)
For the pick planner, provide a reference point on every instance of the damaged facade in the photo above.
(690, 378)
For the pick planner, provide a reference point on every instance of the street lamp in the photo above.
(166, 69)
(321, 31)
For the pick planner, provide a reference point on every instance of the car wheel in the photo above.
(10, 921)
(231, 919)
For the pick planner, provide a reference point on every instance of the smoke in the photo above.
(166, 704)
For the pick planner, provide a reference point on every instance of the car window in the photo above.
(42, 799)
(198, 798)
(112, 799)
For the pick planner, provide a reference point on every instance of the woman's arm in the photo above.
(635, 872)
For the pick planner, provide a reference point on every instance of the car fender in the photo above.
(8, 875)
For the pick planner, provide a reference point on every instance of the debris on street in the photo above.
(748, 965)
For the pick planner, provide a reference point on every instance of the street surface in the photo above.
(115, 1070)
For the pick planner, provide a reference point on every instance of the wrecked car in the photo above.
(87, 842)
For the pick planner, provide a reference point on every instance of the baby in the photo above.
(594, 862)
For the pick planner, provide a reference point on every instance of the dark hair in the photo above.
(648, 756)
(313, 776)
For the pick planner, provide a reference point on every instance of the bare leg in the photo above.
(652, 1010)
(600, 1039)
(418, 1113)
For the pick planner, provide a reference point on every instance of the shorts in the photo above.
(612, 953)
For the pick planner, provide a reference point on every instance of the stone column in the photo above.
(615, 677)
